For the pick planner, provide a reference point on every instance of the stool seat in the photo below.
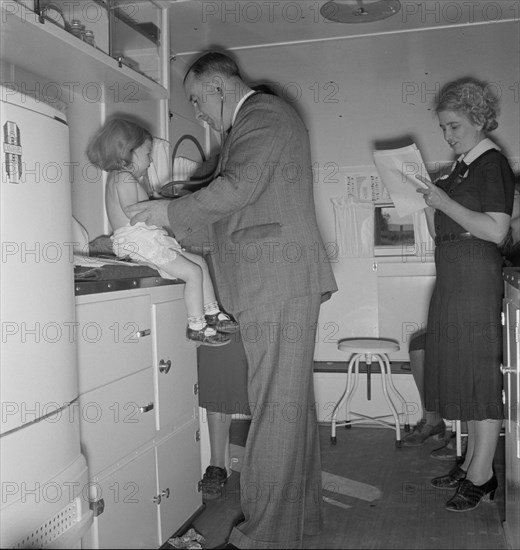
(368, 345)
(377, 350)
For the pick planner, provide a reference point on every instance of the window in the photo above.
(392, 233)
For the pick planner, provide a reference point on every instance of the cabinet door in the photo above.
(351, 312)
(403, 309)
(116, 419)
(178, 474)
(114, 339)
(129, 516)
(175, 366)
(512, 421)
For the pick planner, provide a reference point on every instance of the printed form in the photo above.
(397, 169)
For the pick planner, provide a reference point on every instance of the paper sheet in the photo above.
(397, 169)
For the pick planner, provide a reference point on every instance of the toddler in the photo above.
(122, 148)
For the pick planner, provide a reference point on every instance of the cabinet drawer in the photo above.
(129, 516)
(175, 366)
(178, 484)
(114, 340)
(116, 419)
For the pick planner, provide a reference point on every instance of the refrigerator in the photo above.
(43, 475)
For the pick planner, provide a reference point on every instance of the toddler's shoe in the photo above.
(222, 322)
(207, 336)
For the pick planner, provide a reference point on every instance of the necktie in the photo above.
(459, 170)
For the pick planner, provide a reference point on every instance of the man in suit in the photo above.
(257, 219)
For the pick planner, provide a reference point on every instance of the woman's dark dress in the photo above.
(464, 335)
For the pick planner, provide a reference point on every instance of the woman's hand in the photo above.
(433, 196)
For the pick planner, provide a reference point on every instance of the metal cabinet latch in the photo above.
(164, 366)
(97, 506)
(141, 333)
(505, 369)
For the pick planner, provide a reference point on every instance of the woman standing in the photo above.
(468, 215)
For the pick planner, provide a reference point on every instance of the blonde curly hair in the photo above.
(475, 99)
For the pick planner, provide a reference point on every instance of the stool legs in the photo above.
(385, 372)
(347, 393)
(351, 387)
(353, 366)
(391, 385)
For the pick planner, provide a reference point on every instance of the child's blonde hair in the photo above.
(112, 146)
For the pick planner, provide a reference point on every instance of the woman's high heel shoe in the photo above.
(468, 496)
(451, 480)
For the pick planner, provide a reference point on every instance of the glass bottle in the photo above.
(88, 37)
(75, 28)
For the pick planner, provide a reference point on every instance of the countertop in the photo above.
(111, 278)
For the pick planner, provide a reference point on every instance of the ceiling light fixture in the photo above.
(359, 11)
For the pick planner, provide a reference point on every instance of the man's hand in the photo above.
(101, 245)
(149, 212)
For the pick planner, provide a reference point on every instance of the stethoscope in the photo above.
(170, 190)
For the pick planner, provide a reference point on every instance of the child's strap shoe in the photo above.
(207, 336)
(222, 322)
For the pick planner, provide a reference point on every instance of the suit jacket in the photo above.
(257, 217)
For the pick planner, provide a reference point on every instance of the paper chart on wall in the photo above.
(397, 169)
(366, 185)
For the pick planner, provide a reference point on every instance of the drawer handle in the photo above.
(146, 408)
(166, 492)
(141, 333)
(164, 366)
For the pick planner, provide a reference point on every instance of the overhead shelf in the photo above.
(49, 51)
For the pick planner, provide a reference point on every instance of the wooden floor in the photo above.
(378, 496)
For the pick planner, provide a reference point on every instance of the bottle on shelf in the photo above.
(88, 37)
(76, 28)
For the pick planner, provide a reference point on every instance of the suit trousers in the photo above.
(280, 481)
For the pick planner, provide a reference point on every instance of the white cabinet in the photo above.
(178, 465)
(511, 371)
(175, 381)
(127, 513)
(404, 290)
(138, 414)
(378, 297)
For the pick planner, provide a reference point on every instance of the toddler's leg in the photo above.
(198, 329)
(213, 314)
(207, 284)
(191, 273)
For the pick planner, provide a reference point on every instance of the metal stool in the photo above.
(369, 349)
